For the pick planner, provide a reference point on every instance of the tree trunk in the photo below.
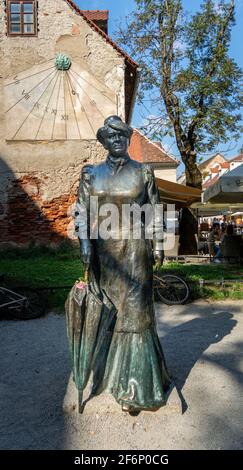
(188, 224)
(193, 174)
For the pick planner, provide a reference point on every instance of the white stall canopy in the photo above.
(228, 188)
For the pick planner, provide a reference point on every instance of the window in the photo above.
(21, 18)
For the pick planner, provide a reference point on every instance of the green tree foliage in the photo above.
(187, 73)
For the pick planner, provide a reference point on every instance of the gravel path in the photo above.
(203, 344)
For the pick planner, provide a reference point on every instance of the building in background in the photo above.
(213, 168)
(236, 161)
(145, 151)
(61, 76)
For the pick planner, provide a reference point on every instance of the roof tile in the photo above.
(239, 158)
(225, 165)
(145, 151)
(96, 14)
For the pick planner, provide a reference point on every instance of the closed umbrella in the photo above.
(88, 317)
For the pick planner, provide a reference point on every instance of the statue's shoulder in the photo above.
(100, 166)
(86, 172)
(91, 172)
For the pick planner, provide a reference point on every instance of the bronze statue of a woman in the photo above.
(127, 359)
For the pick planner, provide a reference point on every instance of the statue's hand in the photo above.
(86, 252)
(158, 257)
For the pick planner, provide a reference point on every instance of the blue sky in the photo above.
(119, 9)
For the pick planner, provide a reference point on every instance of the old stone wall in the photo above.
(36, 204)
(61, 29)
(38, 180)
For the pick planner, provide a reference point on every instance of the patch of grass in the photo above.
(50, 268)
(65, 250)
(193, 273)
(231, 292)
(43, 268)
(42, 271)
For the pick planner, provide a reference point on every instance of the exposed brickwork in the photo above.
(27, 217)
(75, 30)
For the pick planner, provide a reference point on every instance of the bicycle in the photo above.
(171, 289)
(20, 306)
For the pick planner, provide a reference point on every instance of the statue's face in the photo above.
(116, 143)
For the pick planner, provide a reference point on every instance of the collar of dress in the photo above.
(117, 163)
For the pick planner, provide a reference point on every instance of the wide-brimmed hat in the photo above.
(113, 122)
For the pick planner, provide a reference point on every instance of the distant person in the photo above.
(228, 232)
(214, 249)
(231, 245)
(222, 222)
(222, 232)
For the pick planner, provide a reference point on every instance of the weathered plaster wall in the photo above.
(168, 174)
(36, 178)
(61, 29)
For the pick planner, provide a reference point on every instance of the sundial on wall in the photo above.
(56, 100)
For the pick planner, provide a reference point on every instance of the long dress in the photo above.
(128, 361)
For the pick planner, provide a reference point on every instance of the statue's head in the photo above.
(115, 136)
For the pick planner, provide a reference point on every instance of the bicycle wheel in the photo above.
(33, 307)
(172, 290)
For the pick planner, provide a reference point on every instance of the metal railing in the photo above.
(206, 258)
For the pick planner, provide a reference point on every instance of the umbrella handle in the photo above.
(86, 275)
(80, 402)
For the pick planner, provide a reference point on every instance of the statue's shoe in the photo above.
(130, 409)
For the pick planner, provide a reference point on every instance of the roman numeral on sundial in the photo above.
(26, 95)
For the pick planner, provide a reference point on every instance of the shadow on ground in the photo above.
(187, 342)
(34, 372)
(35, 368)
